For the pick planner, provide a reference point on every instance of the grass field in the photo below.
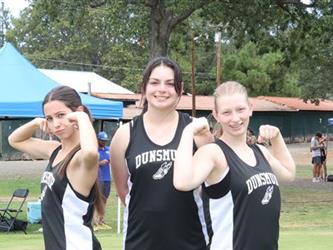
(306, 218)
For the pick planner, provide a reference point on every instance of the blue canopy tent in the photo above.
(23, 88)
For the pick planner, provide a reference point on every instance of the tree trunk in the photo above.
(160, 31)
(163, 21)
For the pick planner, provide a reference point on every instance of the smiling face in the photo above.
(160, 90)
(232, 108)
(233, 112)
(55, 115)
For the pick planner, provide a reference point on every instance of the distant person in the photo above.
(104, 176)
(69, 184)
(323, 155)
(240, 181)
(315, 148)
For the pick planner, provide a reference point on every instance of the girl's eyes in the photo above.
(61, 115)
(58, 116)
(167, 83)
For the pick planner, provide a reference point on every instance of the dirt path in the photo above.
(300, 152)
(16, 169)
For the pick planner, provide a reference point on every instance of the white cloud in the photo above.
(306, 1)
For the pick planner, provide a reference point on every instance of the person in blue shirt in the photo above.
(104, 175)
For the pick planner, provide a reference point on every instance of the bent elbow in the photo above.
(11, 141)
(292, 177)
(181, 186)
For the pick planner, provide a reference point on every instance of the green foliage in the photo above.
(273, 47)
(261, 74)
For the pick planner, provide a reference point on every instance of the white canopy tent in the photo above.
(84, 81)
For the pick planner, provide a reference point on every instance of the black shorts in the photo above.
(316, 160)
(323, 158)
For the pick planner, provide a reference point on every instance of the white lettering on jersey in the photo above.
(259, 180)
(155, 156)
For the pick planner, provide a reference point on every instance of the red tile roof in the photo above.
(298, 104)
(261, 103)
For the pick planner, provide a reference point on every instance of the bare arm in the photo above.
(88, 155)
(22, 139)
(83, 168)
(203, 138)
(190, 172)
(281, 161)
(119, 167)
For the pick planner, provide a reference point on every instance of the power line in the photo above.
(199, 74)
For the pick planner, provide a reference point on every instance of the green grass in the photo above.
(305, 224)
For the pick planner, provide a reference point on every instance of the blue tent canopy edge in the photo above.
(23, 88)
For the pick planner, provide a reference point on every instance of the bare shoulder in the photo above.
(121, 137)
(213, 152)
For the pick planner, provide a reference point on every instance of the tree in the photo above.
(316, 63)
(4, 23)
(116, 38)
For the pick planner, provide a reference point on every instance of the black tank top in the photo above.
(66, 214)
(157, 216)
(244, 207)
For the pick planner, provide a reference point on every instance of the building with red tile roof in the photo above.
(297, 120)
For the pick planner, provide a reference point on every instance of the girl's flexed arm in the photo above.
(88, 141)
(280, 160)
(22, 139)
(190, 171)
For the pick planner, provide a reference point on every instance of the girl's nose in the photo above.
(235, 116)
(56, 122)
(162, 86)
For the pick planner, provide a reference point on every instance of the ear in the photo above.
(80, 108)
(215, 115)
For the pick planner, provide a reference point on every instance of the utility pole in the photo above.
(194, 63)
(218, 58)
(2, 27)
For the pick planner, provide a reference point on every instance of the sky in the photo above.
(15, 6)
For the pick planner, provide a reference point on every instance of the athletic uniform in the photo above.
(157, 216)
(244, 207)
(66, 214)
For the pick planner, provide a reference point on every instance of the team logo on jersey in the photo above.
(268, 195)
(162, 171)
(47, 179)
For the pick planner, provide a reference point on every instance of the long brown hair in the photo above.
(71, 99)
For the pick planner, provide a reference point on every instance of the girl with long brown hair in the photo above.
(69, 189)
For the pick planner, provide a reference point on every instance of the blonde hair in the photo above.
(229, 88)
